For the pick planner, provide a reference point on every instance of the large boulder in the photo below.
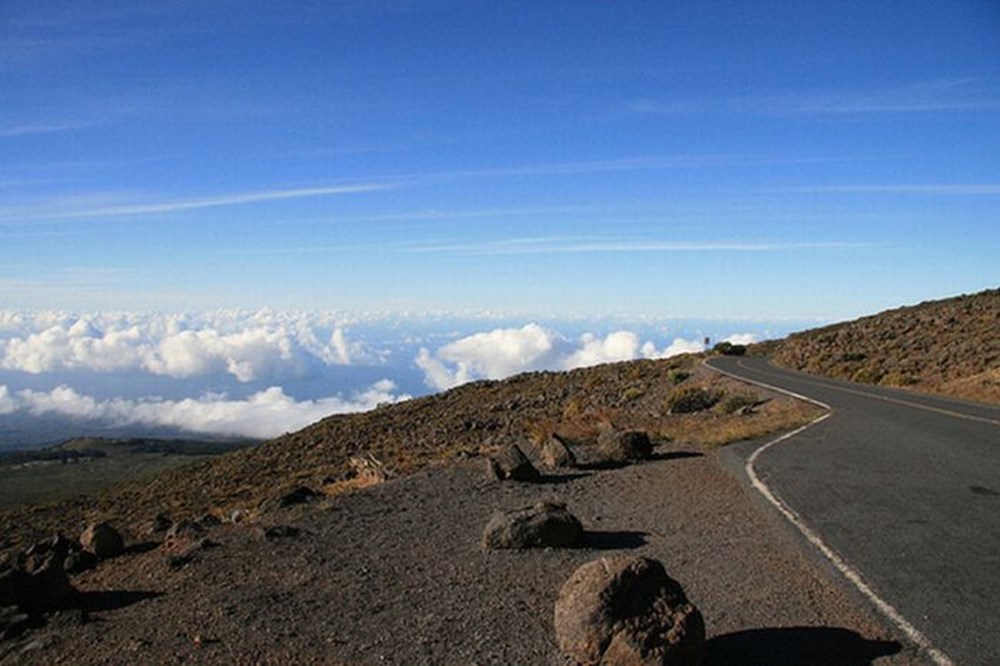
(102, 540)
(555, 454)
(511, 464)
(627, 611)
(624, 446)
(546, 524)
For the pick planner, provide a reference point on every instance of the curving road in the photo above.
(905, 488)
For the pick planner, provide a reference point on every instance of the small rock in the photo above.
(102, 540)
(555, 454)
(179, 561)
(627, 611)
(185, 529)
(511, 464)
(299, 495)
(273, 532)
(80, 561)
(546, 524)
(209, 520)
(624, 446)
(160, 523)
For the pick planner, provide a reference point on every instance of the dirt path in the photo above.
(395, 574)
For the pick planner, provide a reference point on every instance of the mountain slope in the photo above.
(950, 346)
(462, 422)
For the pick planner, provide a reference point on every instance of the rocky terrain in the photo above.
(950, 346)
(447, 529)
(463, 422)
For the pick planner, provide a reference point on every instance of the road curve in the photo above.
(905, 488)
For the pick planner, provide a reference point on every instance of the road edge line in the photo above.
(888, 610)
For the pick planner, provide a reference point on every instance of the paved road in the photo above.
(906, 488)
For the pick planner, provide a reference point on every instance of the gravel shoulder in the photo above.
(395, 574)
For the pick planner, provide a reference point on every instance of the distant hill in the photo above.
(950, 347)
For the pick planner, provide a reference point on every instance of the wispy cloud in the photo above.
(642, 163)
(29, 129)
(234, 199)
(610, 245)
(926, 189)
(924, 97)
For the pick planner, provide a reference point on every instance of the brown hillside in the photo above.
(411, 435)
(950, 347)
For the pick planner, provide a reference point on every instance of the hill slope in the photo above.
(411, 435)
(950, 346)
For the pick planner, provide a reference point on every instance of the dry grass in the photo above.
(949, 347)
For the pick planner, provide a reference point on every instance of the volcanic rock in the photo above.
(556, 454)
(626, 610)
(511, 464)
(102, 540)
(624, 446)
(546, 524)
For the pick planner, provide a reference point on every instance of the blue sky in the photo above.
(711, 159)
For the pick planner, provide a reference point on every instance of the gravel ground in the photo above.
(395, 574)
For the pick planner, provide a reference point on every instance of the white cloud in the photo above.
(741, 339)
(247, 345)
(7, 402)
(267, 413)
(504, 352)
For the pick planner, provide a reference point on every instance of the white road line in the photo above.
(887, 609)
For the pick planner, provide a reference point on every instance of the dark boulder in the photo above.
(624, 446)
(546, 524)
(555, 454)
(102, 540)
(511, 464)
(627, 611)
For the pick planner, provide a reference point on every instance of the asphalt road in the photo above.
(906, 489)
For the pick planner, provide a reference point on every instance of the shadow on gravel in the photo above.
(797, 646)
(676, 455)
(556, 479)
(603, 540)
(600, 465)
(112, 600)
(141, 547)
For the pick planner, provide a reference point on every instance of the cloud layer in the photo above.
(248, 346)
(264, 414)
(259, 374)
(503, 352)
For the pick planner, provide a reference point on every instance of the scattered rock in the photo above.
(627, 611)
(298, 495)
(185, 529)
(367, 470)
(273, 532)
(102, 540)
(179, 560)
(209, 520)
(36, 583)
(189, 554)
(624, 446)
(555, 454)
(160, 523)
(546, 524)
(511, 464)
(80, 561)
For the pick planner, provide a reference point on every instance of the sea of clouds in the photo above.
(262, 373)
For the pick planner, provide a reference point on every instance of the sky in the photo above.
(711, 159)
(558, 175)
